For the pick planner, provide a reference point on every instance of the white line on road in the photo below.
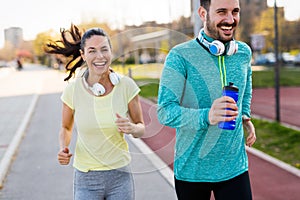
(14, 144)
(157, 162)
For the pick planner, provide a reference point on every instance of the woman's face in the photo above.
(97, 54)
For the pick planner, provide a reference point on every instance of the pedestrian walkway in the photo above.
(18, 96)
(28, 138)
(270, 178)
(34, 172)
(263, 104)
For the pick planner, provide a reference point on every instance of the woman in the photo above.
(98, 102)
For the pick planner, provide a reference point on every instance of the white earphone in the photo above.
(217, 47)
(98, 89)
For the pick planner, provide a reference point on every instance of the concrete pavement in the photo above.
(263, 105)
(271, 179)
(30, 170)
(28, 136)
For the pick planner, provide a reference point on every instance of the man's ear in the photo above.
(202, 13)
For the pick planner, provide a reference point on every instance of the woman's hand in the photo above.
(64, 156)
(127, 127)
(124, 124)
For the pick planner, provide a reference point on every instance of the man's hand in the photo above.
(223, 109)
(251, 138)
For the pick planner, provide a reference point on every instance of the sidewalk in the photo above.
(16, 103)
(271, 179)
(29, 128)
(31, 143)
(263, 104)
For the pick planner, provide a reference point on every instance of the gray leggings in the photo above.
(114, 184)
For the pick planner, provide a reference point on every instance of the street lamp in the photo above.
(277, 66)
(195, 17)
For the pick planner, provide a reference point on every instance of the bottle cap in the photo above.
(231, 87)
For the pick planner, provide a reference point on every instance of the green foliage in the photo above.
(130, 60)
(149, 87)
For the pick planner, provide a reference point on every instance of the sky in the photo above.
(291, 8)
(36, 16)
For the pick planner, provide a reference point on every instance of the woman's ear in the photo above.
(82, 55)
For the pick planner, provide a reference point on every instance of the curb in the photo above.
(287, 167)
(159, 164)
(14, 144)
(297, 128)
(274, 161)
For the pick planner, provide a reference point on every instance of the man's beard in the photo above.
(213, 31)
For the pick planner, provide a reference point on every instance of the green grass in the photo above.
(140, 71)
(149, 87)
(272, 138)
(278, 141)
(289, 76)
(266, 78)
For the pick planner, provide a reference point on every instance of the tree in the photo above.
(250, 12)
(265, 26)
(7, 52)
(40, 42)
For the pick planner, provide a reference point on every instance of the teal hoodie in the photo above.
(190, 82)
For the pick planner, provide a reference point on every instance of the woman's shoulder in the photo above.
(72, 82)
(128, 83)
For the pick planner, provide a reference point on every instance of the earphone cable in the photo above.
(222, 70)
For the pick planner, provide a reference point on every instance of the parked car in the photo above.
(287, 58)
(265, 59)
(297, 59)
(271, 58)
(3, 63)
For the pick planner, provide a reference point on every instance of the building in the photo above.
(13, 36)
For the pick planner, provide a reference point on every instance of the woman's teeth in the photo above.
(99, 63)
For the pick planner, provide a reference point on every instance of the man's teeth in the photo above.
(226, 27)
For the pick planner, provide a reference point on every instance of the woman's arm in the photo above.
(136, 126)
(65, 135)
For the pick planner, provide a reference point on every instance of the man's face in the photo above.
(222, 19)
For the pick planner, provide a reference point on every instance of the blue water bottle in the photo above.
(233, 92)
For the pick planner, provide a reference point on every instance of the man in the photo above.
(208, 158)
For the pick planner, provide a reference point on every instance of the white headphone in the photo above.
(98, 89)
(217, 47)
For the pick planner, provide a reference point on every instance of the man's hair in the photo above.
(205, 4)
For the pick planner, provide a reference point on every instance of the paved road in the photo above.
(263, 104)
(34, 173)
(270, 179)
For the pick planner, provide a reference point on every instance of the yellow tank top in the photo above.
(99, 145)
